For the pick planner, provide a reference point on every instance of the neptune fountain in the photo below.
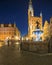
(38, 32)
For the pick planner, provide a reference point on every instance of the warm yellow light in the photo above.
(10, 38)
(22, 38)
(0, 45)
(27, 39)
(17, 43)
(16, 37)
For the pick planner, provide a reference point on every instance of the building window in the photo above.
(30, 13)
(9, 25)
(2, 25)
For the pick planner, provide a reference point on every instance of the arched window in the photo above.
(30, 13)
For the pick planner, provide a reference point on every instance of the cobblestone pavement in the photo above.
(11, 55)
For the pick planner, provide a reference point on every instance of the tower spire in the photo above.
(30, 1)
(40, 14)
(31, 8)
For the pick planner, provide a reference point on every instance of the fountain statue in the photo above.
(38, 32)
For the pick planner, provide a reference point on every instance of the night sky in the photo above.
(16, 11)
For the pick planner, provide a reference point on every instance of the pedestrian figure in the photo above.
(8, 42)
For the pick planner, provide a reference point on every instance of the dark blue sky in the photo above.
(16, 10)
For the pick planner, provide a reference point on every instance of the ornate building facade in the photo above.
(46, 31)
(36, 30)
(33, 21)
(8, 31)
(51, 26)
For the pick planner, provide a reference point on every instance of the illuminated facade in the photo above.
(33, 21)
(51, 26)
(35, 25)
(8, 31)
(46, 30)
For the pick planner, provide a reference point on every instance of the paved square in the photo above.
(13, 56)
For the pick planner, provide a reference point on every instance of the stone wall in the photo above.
(38, 47)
